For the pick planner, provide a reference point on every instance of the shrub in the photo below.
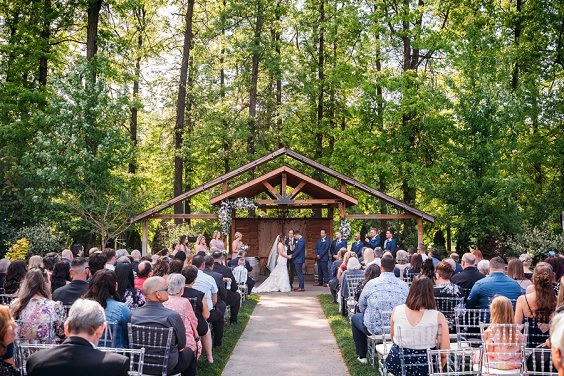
(537, 242)
(18, 250)
(41, 238)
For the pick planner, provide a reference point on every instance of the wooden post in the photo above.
(343, 186)
(145, 231)
(420, 230)
(224, 187)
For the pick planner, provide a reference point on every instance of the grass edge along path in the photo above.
(231, 336)
(342, 331)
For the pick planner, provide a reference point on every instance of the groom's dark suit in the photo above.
(298, 259)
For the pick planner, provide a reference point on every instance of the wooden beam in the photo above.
(284, 183)
(381, 216)
(296, 190)
(184, 216)
(342, 211)
(271, 189)
(224, 187)
(343, 186)
(323, 201)
(419, 230)
(144, 237)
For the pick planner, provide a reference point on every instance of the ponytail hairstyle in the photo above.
(543, 278)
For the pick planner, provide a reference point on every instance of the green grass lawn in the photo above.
(342, 331)
(230, 337)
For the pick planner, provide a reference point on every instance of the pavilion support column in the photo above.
(420, 230)
(145, 226)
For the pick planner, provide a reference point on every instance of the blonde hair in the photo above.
(216, 232)
(35, 261)
(348, 255)
(368, 255)
(238, 235)
(501, 311)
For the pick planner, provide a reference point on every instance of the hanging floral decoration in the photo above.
(226, 210)
(345, 228)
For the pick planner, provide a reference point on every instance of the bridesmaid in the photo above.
(237, 245)
(216, 241)
(201, 245)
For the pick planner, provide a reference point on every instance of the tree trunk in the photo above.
(137, 77)
(277, 40)
(251, 141)
(180, 110)
(516, 68)
(225, 143)
(188, 126)
(45, 36)
(321, 80)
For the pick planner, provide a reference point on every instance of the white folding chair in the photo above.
(539, 362)
(22, 351)
(456, 362)
(504, 348)
(352, 283)
(6, 299)
(157, 343)
(415, 360)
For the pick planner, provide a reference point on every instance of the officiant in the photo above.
(291, 244)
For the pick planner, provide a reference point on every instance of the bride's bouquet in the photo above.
(244, 247)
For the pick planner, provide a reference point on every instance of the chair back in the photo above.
(108, 338)
(6, 299)
(457, 362)
(415, 361)
(446, 305)
(539, 362)
(136, 358)
(156, 341)
(66, 309)
(352, 283)
(241, 275)
(467, 324)
(504, 347)
(22, 351)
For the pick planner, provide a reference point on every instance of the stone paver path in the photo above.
(288, 334)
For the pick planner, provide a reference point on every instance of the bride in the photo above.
(278, 279)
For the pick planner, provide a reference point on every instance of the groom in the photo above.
(298, 258)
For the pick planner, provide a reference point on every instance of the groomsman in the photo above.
(391, 243)
(291, 244)
(322, 259)
(357, 245)
(336, 245)
(373, 239)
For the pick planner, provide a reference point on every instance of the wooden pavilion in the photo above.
(284, 188)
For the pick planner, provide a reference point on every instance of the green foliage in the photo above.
(537, 241)
(19, 250)
(169, 233)
(41, 239)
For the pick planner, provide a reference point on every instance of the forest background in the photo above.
(109, 107)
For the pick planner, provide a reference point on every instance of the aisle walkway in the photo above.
(287, 335)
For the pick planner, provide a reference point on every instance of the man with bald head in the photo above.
(153, 313)
(469, 274)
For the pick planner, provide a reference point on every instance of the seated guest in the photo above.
(557, 342)
(428, 268)
(234, 262)
(66, 256)
(537, 307)
(35, 261)
(469, 274)
(136, 259)
(373, 271)
(503, 344)
(379, 294)
(497, 283)
(96, 262)
(527, 262)
(221, 289)
(333, 280)
(368, 256)
(61, 275)
(14, 275)
(414, 269)
(484, 267)
(79, 273)
(201, 310)
(515, 270)
(111, 258)
(419, 308)
(42, 318)
(103, 289)
(128, 294)
(353, 270)
(144, 271)
(4, 263)
(434, 255)
(240, 272)
(49, 261)
(154, 313)
(176, 265)
(77, 355)
(343, 266)
(402, 262)
(443, 285)
(457, 266)
(8, 329)
(161, 268)
(182, 305)
(232, 299)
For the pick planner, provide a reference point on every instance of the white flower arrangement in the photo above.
(345, 228)
(226, 207)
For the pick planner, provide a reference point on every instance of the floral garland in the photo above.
(345, 228)
(226, 207)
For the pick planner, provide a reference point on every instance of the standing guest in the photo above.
(183, 307)
(469, 274)
(4, 264)
(111, 257)
(358, 245)
(201, 245)
(290, 245)
(390, 244)
(35, 261)
(77, 355)
(373, 239)
(322, 259)
(66, 256)
(484, 267)
(181, 358)
(336, 245)
(368, 256)
(443, 285)
(161, 268)
(420, 308)
(77, 250)
(233, 299)
(236, 245)
(216, 241)
(537, 307)
(183, 245)
(201, 310)
(557, 342)
(49, 261)
(515, 270)
(128, 294)
(415, 266)
(380, 294)
(60, 276)
(14, 276)
(103, 289)
(496, 284)
(527, 263)
(458, 268)
(34, 306)
(8, 329)
(136, 259)
(353, 270)
(79, 274)
(402, 261)
(97, 262)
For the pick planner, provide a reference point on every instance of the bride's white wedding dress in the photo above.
(278, 279)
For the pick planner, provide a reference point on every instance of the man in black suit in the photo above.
(79, 273)
(469, 274)
(233, 264)
(77, 355)
(232, 298)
